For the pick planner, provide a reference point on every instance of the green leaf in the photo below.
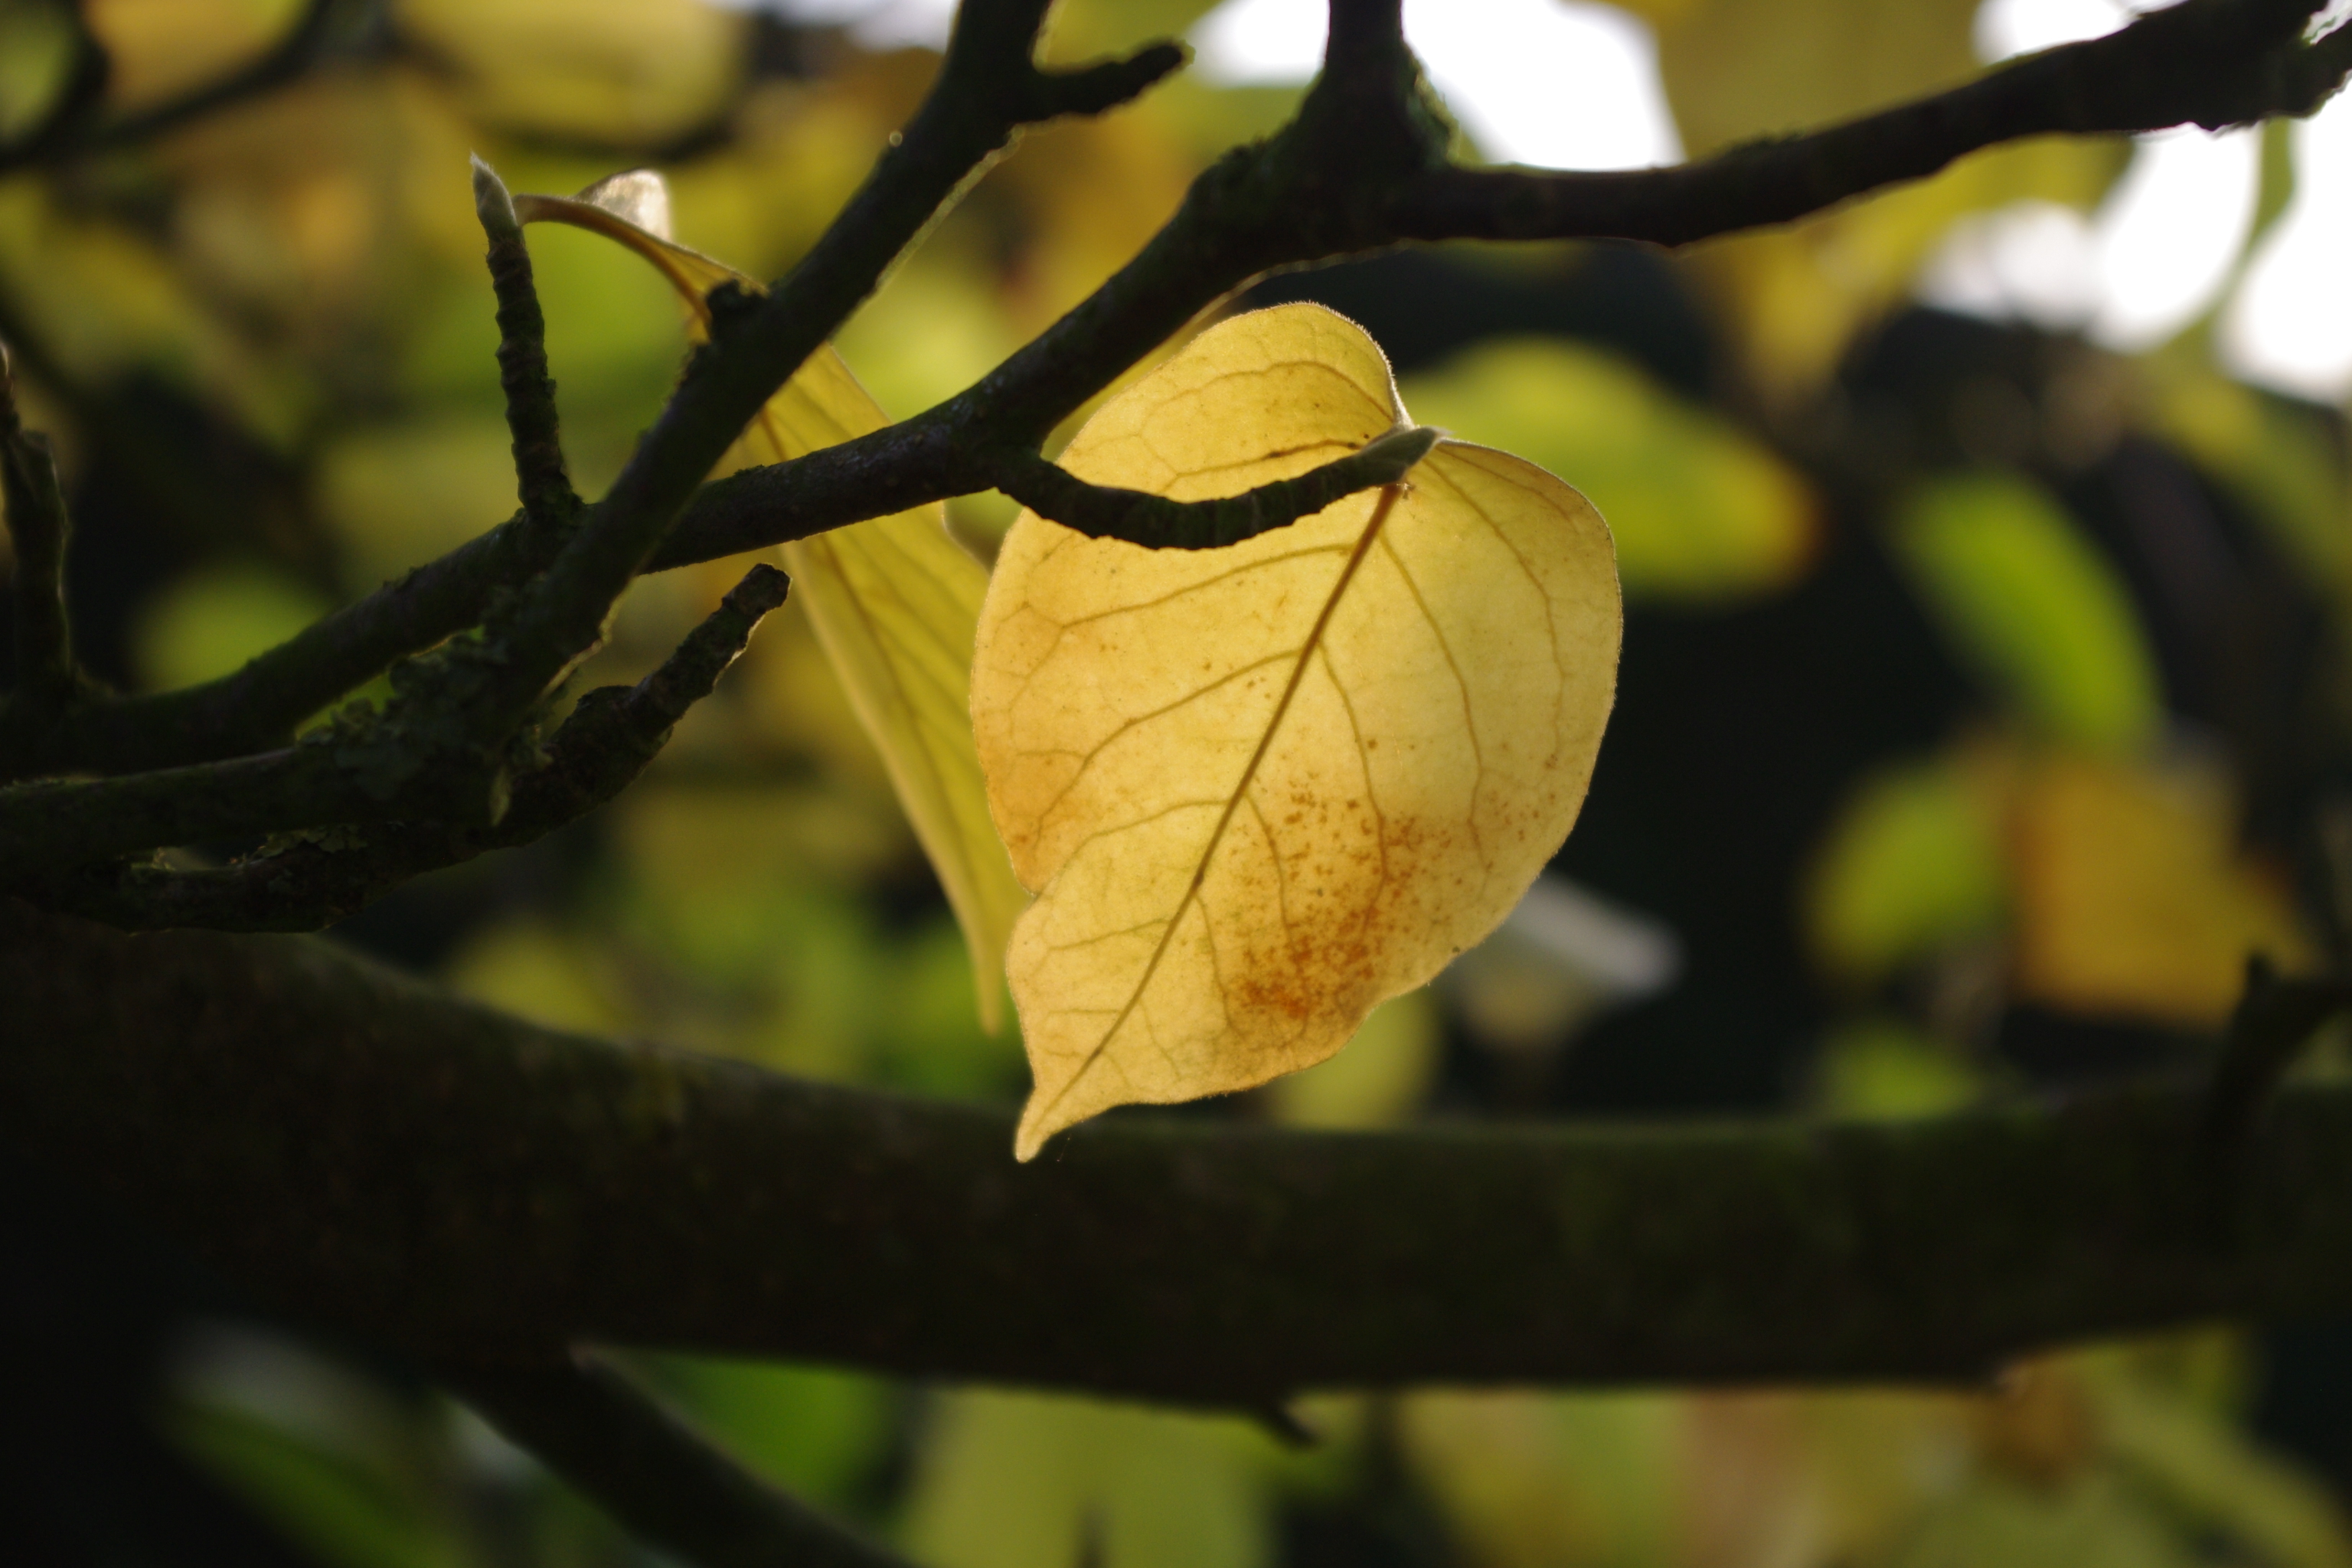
(1012, 1480)
(1700, 512)
(1911, 863)
(2035, 606)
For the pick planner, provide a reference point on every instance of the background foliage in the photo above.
(1982, 706)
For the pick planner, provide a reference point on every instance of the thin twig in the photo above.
(542, 481)
(1106, 511)
(642, 1464)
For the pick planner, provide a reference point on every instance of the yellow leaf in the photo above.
(893, 599)
(2132, 900)
(1260, 789)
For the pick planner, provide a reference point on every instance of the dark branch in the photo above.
(1355, 173)
(355, 1146)
(2208, 62)
(39, 529)
(308, 885)
(257, 706)
(310, 40)
(1104, 512)
(542, 481)
(987, 90)
(656, 1475)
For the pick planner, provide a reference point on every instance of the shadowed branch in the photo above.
(467, 1184)
(656, 1475)
(311, 883)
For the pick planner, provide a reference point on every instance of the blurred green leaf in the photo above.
(1737, 68)
(210, 621)
(2094, 1524)
(2208, 1472)
(1883, 1070)
(1911, 863)
(1011, 1480)
(36, 49)
(816, 1432)
(2035, 606)
(2285, 462)
(1379, 1079)
(1530, 1480)
(632, 72)
(1700, 511)
(322, 1505)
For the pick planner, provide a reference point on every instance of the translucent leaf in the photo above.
(893, 599)
(1261, 789)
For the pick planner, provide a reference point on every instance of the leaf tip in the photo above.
(1031, 1135)
(640, 196)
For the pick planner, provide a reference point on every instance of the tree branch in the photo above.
(542, 483)
(988, 89)
(2213, 63)
(76, 133)
(657, 1477)
(356, 1147)
(1356, 172)
(610, 737)
(48, 678)
(1106, 512)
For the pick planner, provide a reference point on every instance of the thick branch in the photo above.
(358, 1148)
(652, 1472)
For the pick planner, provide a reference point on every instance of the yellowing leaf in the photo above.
(2132, 900)
(893, 599)
(1260, 789)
